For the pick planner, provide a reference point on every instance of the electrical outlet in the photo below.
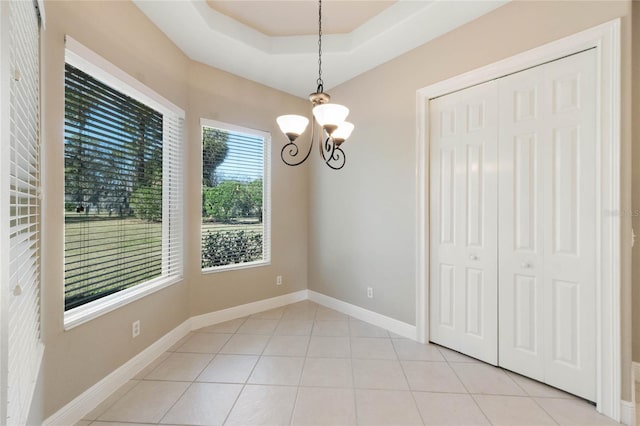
(370, 292)
(279, 280)
(135, 329)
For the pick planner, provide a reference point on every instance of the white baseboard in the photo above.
(83, 404)
(73, 412)
(628, 413)
(398, 327)
(229, 314)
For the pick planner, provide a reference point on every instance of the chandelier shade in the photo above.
(292, 125)
(330, 115)
(343, 132)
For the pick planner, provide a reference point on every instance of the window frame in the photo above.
(266, 196)
(99, 68)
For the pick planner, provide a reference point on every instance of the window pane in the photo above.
(232, 198)
(113, 190)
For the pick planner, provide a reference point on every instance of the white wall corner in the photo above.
(398, 327)
(636, 372)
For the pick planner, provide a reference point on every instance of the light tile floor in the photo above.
(304, 364)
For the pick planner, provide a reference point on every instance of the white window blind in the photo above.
(235, 197)
(24, 344)
(123, 186)
(172, 207)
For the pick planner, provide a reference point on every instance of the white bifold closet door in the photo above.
(464, 211)
(547, 244)
(513, 222)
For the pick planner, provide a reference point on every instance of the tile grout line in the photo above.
(175, 402)
(526, 394)
(353, 380)
(544, 410)
(244, 385)
(197, 375)
(530, 396)
(142, 379)
(114, 402)
(411, 392)
(464, 386)
(304, 362)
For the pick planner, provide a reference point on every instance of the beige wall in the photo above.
(77, 359)
(221, 96)
(636, 179)
(362, 225)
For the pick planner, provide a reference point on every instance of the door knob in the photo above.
(526, 265)
(473, 257)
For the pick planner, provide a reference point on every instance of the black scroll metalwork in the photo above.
(332, 154)
(292, 150)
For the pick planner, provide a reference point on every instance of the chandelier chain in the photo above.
(319, 81)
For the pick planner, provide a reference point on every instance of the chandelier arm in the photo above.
(294, 150)
(327, 146)
(324, 146)
(337, 159)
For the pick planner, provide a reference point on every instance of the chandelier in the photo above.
(330, 117)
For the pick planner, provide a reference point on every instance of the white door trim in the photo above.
(606, 39)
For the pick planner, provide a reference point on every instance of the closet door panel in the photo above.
(570, 244)
(548, 227)
(521, 152)
(463, 216)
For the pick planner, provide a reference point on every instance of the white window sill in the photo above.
(236, 266)
(77, 316)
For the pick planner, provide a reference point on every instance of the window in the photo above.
(122, 188)
(235, 197)
(21, 348)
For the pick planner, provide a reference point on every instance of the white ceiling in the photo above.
(289, 62)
